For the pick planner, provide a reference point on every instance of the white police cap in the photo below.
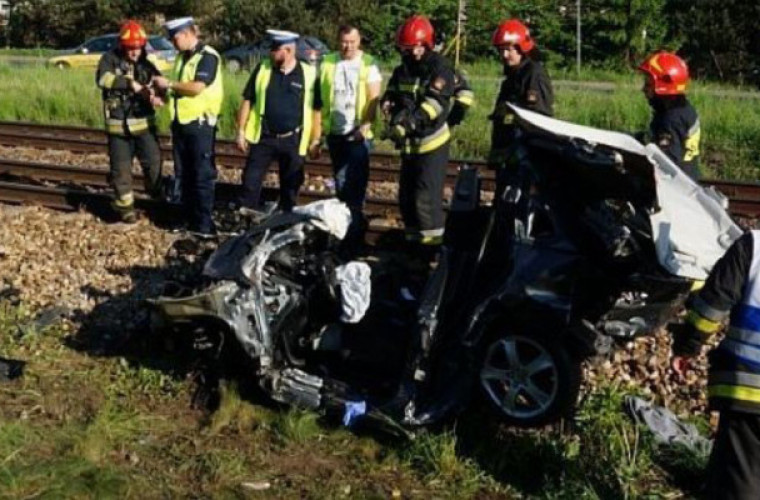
(176, 25)
(282, 37)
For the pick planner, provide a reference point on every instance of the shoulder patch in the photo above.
(531, 96)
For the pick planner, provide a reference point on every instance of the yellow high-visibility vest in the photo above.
(327, 85)
(205, 106)
(255, 119)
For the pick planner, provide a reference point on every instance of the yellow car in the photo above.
(160, 52)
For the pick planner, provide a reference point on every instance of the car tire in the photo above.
(62, 65)
(234, 65)
(528, 378)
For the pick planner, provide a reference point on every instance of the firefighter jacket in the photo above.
(675, 129)
(420, 94)
(732, 291)
(527, 86)
(125, 111)
(464, 98)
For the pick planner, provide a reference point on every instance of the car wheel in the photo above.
(61, 65)
(233, 65)
(529, 379)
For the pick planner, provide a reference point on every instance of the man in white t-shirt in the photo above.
(350, 87)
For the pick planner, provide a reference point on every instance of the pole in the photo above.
(578, 36)
(460, 14)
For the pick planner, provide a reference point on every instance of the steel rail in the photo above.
(225, 192)
(384, 167)
(744, 196)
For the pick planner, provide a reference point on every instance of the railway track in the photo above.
(71, 188)
(80, 178)
(744, 197)
(385, 166)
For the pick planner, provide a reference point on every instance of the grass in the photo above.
(730, 120)
(81, 426)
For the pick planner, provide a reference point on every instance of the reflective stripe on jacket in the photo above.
(327, 85)
(733, 289)
(253, 126)
(125, 111)
(425, 91)
(205, 106)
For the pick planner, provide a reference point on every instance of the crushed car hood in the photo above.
(691, 227)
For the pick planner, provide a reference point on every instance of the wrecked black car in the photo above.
(591, 238)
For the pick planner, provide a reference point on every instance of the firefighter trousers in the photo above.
(121, 150)
(733, 472)
(420, 194)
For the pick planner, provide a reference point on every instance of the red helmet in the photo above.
(416, 30)
(668, 72)
(132, 36)
(513, 32)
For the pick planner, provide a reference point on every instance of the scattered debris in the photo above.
(256, 485)
(665, 426)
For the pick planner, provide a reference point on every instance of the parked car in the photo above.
(160, 51)
(245, 57)
(591, 240)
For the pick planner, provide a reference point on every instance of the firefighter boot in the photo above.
(124, 206)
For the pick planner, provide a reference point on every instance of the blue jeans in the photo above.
(350, 160)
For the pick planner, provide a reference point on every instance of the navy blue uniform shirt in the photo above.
(284, 100)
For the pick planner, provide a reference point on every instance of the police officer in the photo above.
(125, 75)
(732, 291)
(350, 89)
(417, 103)
(195, 100)
(526, 84)
(279, 119)
(675, 123)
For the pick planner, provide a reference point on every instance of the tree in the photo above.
(619, 33)
(720, 39)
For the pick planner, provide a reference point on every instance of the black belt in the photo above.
(283, 135)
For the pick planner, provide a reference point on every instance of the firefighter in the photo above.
(732, 291)
(124, 74)
(675, 123)
(526, 84)
(195, 95)
(464, 98)
(279, 119)
(416, 104)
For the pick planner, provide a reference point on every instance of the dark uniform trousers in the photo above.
(195, 172)
(260, 156)
(350, 160)
(420, 192)
(121, 150)
(734, 469)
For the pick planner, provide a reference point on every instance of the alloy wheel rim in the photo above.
(519, 376)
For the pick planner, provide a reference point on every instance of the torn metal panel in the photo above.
(690, 225)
